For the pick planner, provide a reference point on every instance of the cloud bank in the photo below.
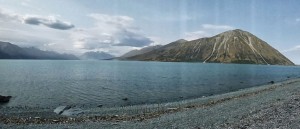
(295, 48)
(293, 54)
(110, 31)
(50, 21)
(206, 30)
(8, 16)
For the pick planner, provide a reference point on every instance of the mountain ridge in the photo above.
(12, 51)
(234, 46)
(96, 56)
(140, 51)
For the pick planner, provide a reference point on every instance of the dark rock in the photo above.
(125, 99)
(272, 82)
(100, 106)
(190, 106)
(4, 99)
(59, 110)
(66, 108)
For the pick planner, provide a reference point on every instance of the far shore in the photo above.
(268, 106)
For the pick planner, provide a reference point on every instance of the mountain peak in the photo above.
(238, 30)
(235, 33)
(141, 51)
(233, 46)
(181, 41)
(98, 55)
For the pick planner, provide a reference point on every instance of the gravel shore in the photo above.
(269, 106)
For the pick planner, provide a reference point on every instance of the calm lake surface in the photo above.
(47, 83)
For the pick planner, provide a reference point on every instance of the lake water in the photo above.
(48, 83)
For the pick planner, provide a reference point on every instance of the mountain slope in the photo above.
(96, 56)
(141, 51)
(235, 46)
(11, 51)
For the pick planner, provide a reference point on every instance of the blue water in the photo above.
(47, 83)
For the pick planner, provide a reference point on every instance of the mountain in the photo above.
(234, 46)
(11, 51)
(141, 51)
(96, 56)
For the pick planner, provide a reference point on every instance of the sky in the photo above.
(118, 26)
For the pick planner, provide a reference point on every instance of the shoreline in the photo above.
(135, 114)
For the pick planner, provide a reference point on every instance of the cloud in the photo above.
(298, 20)
(206, 30)
(295, 48)
(158, 18)
(114, 34)
(120, 21)
(50, 21)
(110, 31)
(293, 54)
(8, 16)
(25, 35)
(25, 3)
(196, 35)
(217, 27)
(14, 30)
(130, 38)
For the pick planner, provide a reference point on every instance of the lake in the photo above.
(51, 83)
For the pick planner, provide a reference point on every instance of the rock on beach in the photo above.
(4, 99)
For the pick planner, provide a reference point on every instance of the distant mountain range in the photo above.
(96, 56)
(234, 46)
(11, 51)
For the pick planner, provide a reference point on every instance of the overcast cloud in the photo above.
(110, 31)
(207, 30)
(50, 21)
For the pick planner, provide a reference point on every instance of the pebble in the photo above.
(55, 120)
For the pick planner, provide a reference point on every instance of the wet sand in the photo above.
(268, 106)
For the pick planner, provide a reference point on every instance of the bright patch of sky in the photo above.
(117, 26)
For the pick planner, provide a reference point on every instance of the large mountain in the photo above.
(234, 46)
(11, 51)
(141, 51)
(96, 56)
